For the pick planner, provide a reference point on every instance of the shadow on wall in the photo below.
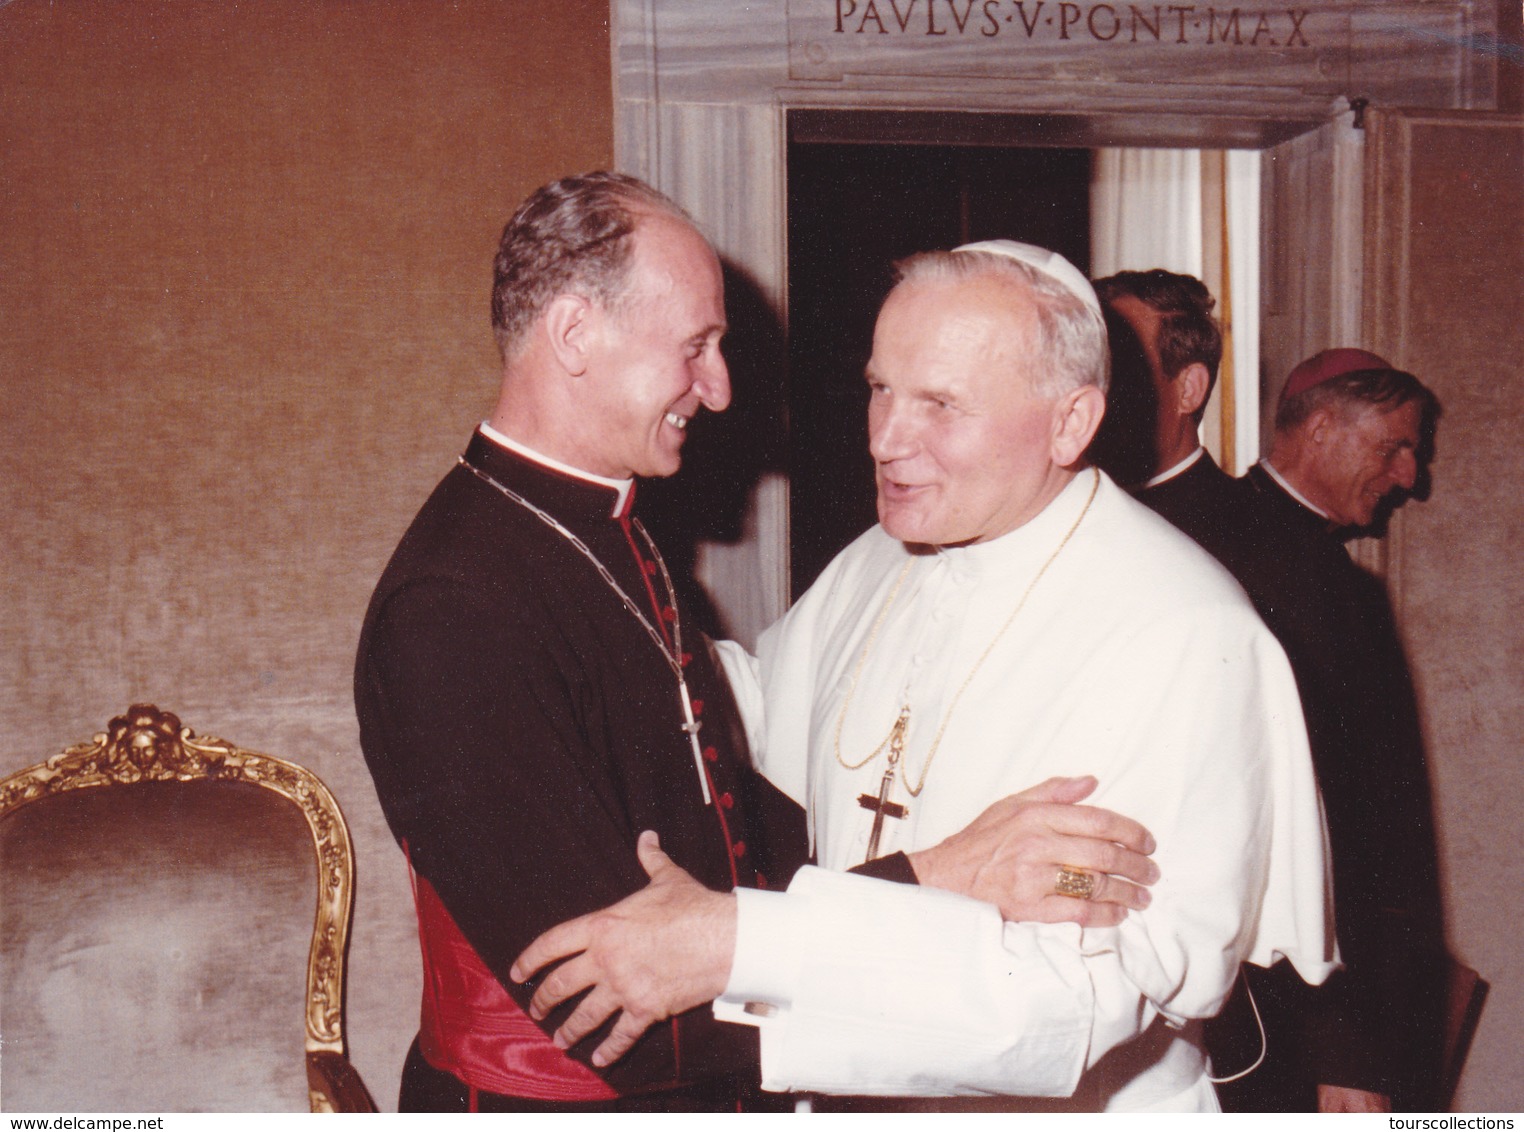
(726, 454)
(1124, 444)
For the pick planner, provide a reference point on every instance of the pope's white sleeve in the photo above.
(774, 690)
(745, 680)
(855, 989)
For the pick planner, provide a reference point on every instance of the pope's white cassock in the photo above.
(1137, 659)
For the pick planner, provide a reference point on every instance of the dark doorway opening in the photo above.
(853, 209)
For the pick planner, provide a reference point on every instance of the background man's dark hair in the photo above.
(1386, 389)
(1187, 331)
(573, 234)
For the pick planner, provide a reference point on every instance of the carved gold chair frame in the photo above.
(149, 745)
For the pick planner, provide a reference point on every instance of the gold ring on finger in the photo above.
(1074, 882)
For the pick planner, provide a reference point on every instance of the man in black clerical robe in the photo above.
(519, 670)
(1350, 434)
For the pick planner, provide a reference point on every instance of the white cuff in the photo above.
(765, 968)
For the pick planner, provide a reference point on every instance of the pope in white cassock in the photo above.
(1016, 616)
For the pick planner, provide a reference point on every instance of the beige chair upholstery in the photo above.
(158, 946)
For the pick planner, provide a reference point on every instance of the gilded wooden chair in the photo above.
(158, 946)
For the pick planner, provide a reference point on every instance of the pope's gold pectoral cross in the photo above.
(881, 805)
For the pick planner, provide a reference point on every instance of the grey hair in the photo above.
(1379, 388)
(1072, 349)
(570, 235)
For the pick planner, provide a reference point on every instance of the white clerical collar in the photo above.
(1033, 540)
(1170, 473)
(623, 487)
(1293, 492)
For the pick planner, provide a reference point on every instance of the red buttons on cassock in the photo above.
(711, 754)
(698, 707)
(668, 613)
(761, 881)
(728, 800)
(738, 849)
(648, 567)
(686, 659)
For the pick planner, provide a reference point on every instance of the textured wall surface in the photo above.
(244, 260)
(1446, 259)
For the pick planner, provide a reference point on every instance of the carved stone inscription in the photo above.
(1409, 51)
(1042, 19)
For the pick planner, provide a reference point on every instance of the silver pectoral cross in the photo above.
(691, 725)
(881, 805)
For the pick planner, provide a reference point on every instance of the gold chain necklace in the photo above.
(896, 738)
(673, 655)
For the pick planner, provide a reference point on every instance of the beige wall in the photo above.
(1445, 258)
(244, 260)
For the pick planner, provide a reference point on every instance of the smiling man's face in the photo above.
(657, 357)
(962, 445)
(1364, 454)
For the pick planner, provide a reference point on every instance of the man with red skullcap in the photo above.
(1349, 434)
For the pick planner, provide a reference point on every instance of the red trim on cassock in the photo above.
(641, 562)
(472, 1028)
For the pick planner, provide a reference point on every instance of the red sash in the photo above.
(472, 1028)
